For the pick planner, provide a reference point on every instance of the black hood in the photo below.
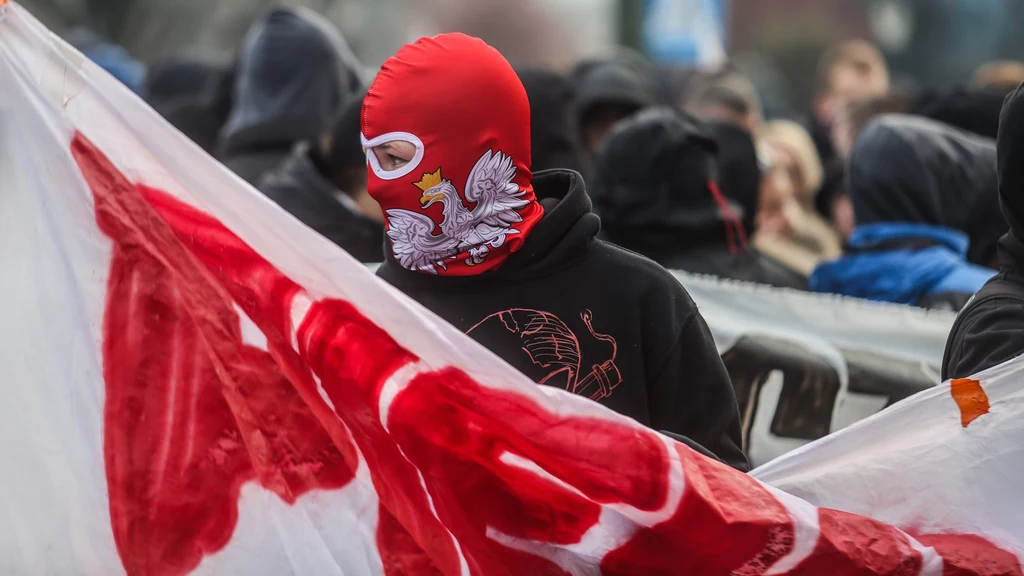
(1010, 151)
(294, 72)
(611, 82)
(653, 174)
(910, 169)
(975, 110)
(739, 171)
(552, 138)
(194, 95)
(563, 237)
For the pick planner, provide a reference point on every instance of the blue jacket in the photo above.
(915, 264)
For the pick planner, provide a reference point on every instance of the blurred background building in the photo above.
(775, 42)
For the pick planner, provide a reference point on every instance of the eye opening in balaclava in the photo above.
(464, 202)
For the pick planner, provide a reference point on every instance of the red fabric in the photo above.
(193, 412)
(460, 113)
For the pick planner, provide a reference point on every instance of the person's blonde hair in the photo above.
(794, 139)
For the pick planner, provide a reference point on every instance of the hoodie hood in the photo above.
(294, 72)
(611, 82)
(552, 139)
(654, 195)
(915, 170)
(193, 95)
(739, 169)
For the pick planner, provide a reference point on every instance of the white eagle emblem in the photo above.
(496, 197)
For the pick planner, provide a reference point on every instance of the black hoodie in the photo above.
(571, 311)
(910, 169)
(552, 138)
(655, 198)
(294, 73)
(990, 329)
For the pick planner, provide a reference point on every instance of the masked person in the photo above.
(323, 184)
(989, 330)
(660, 197)
(924, 198)
(294, 73)
(512, 258)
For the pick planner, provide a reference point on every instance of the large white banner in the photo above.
(805, 365)
(192, 382)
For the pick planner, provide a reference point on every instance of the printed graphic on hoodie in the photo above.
(495, 198)
(552, 345)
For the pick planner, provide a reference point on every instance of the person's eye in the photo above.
(397, 162)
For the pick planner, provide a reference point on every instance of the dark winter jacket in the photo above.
(299, 186)
(915, 170)
(294, 73)
(656, 197)
(912, 264)
(990, 330)
(552, 138)
(571, 311)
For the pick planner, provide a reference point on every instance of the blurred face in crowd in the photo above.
(851, 82)
(778, 205)
(599, 123)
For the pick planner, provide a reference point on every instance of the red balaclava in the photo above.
(465, 201)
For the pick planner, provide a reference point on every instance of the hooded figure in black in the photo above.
(910, 169)
(193, 95)
(658, 176)
(606, 93)
(551, 135)
(294, 73)
(924, 197)
(739, 170)
(990, 329)
(323, 184)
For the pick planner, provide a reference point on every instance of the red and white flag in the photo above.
(192, 382)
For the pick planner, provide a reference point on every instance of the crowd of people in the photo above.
(538, 211)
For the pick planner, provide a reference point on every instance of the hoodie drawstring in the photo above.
(733, 225)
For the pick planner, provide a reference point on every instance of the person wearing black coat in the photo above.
(658, 195)
(294, 73)
(990, 329)
(551, 105)
(323, 184)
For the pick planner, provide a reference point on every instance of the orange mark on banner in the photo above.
(971, 398)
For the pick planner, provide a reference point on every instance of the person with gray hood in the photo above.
(294, 73)
(990, 329)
